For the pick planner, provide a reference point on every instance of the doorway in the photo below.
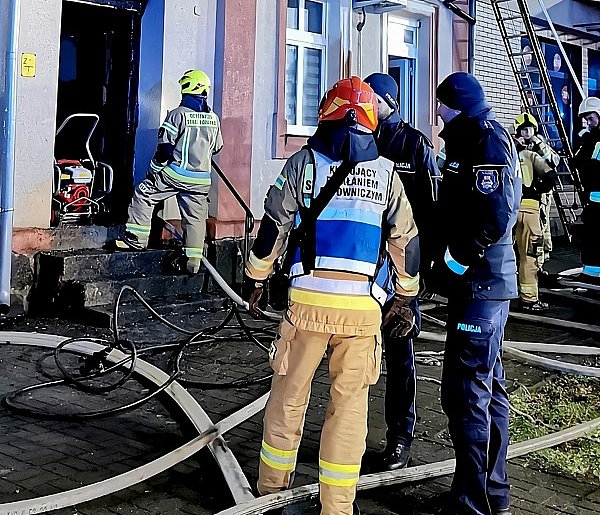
(98, 73)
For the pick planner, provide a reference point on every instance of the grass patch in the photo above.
(560, 403)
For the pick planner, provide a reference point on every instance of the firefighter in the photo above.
(538, 179)
(587, 159)
(479, 200)
(415, 162)
(181, 167)
(526, 133)
(330, 306)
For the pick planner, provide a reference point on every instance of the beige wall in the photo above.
(36, 109)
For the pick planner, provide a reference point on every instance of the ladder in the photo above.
(533, 80)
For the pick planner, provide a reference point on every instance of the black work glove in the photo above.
(252, 291)
(398, 319)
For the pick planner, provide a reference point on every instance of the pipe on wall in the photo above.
(471, 52)
(7, 166)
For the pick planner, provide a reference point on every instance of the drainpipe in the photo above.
(7, 167)
(471, 54)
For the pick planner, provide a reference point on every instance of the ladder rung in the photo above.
(514, 36)
(511, 18)
(520, 54)
(532, 88)
(539, 106)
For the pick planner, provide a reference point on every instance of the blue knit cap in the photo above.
(385, 86)
(462, 92)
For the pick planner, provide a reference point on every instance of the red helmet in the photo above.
(350, 94)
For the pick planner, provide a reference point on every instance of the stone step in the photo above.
(97, 264)
(69, 283)
(97, 293)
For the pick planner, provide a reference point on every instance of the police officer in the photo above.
(330, 304)
(181, 166)
(526, 133)
(538, 179)
(587, 159)
(478, 202)
(415, 162)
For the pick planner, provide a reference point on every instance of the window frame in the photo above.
(302, 39)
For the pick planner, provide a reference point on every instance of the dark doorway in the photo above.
(98, 73)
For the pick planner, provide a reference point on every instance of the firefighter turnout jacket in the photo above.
(369, 210)
(190, 135)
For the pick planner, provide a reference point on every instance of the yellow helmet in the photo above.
(524, 120)
(195, 82)
(590, 105)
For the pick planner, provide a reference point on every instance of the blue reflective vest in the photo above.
(348, 231)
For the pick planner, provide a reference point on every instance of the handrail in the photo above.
(249, 221)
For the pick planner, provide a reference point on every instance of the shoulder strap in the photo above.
(304, 236)
(328, 190)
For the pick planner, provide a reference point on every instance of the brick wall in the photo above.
(492, 67)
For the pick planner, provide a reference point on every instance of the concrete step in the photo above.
(159, 286)
(97, 264)
(70, 283)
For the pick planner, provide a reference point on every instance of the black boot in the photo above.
(394, 457)
(535, 307)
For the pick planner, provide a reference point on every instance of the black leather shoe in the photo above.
(394, 457)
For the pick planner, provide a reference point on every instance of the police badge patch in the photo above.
(487, 180)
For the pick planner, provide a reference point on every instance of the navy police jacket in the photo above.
(414, 161)
(479, 201)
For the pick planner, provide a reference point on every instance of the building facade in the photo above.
(271, 61)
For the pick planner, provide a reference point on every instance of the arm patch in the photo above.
(487, 179)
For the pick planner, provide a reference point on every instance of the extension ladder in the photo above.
(533, 80)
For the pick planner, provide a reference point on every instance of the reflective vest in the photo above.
(348, 231)
(196, 136)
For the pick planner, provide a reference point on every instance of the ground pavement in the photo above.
(40, 457)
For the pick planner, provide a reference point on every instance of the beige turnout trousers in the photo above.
(528, 234)
(354, 364)
(192, 200)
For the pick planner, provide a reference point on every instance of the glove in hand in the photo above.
(252, 292)
(399, 318)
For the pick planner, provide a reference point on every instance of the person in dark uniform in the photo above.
(476, 269)
(587, 159)
(414, 161)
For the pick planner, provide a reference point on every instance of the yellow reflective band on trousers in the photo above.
(530, 203)
(278, 459)
(142, 230)
(335, 474)
(529, 289)
(331, 300)
(193, 252)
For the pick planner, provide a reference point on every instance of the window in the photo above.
(402, 63)
(305, 60)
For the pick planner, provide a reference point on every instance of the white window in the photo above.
(305, 64)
